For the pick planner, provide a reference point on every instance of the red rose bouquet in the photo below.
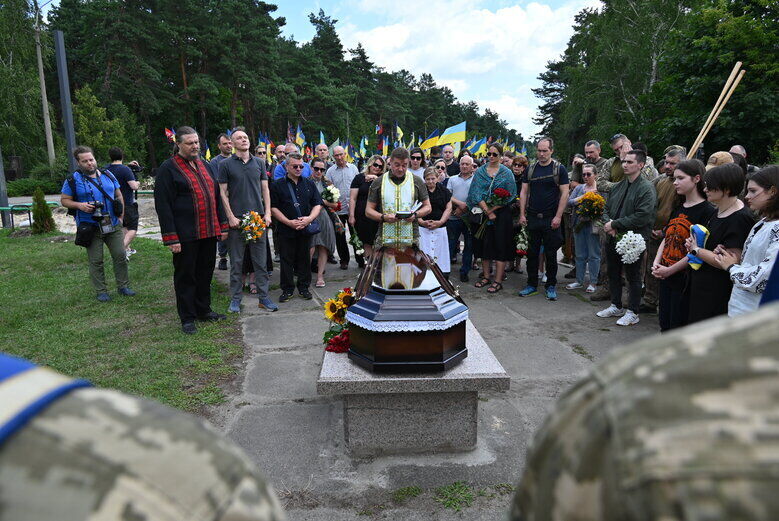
(498, 197)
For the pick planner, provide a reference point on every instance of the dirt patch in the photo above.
(19, 233)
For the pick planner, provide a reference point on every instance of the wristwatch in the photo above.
(694, 251)
(382, 217)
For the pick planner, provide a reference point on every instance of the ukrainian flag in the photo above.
(385, 147)
(300, 138)
(322, 138)
(363, 146)
(481, 147)
(208, 153)
(452, 134)
(431, 141)
(398, 132)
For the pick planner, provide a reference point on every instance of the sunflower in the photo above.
(332, 307)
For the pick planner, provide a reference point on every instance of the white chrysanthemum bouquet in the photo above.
(630, 246)
(331, 194)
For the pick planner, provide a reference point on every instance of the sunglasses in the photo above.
(318, 169)
(492, 154)
(260, 153)
(297, 167)
(440, 167)
(416, 158)
(587, 175)
(378, 165)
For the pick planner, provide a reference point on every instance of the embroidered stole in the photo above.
(201, 187)
(397, 198)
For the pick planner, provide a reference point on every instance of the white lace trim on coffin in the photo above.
(404, 325)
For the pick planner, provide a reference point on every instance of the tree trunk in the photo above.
(149, 142)
(234, 107)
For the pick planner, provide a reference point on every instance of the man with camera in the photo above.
(98, 207)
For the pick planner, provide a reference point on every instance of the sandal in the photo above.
(252, 288)
(319, 284)
(482, 282)
(495, 287)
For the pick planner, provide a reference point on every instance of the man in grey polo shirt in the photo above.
(243, 182)
(459, 185)
(225, 150)
(341, 174)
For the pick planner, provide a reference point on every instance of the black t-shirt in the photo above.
(544, 193)
(363, 187)
(123, 174)
(438, 200)
(676, 233)
(453, 169)
(710, 286)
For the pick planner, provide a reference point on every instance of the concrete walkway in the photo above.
(296, 436)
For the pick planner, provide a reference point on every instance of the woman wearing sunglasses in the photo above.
(358, 199)
(323, 243)
(497, 242)
(418, 164)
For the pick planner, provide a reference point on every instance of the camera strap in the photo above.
(99, 186)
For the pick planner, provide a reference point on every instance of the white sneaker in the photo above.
(630, 319)
(573, 285)
(591, 289)
(611, 311)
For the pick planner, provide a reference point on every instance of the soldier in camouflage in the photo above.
(97, 454)
(611, 173)
(683, 426)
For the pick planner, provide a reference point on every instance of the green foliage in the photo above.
(27, 186)
(405, 493)
(654, 69)
(45, 172)
(96, 129)
(42, 220)
(455, 496)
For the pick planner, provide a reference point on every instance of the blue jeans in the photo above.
(455, 227)
(587, 245)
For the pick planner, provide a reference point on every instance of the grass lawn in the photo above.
(48, 314)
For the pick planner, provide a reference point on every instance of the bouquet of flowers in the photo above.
(252, 226)
(523, 241)
(498, 197)
(590, 209)
(331, 194)
(336, 337)
(630, 246)
(355, 241)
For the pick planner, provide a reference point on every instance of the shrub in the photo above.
(42, 221)
(27, 186)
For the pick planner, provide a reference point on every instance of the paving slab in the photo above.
(283, 376)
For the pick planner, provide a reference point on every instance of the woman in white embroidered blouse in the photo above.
(750, 275)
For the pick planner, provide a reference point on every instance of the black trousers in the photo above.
(295, 256)
(674, 305)
(632, 274)
(342, 246)
(540, 233)
(193, 269)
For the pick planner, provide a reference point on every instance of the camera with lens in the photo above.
(102, 219)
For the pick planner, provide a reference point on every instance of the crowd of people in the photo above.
(710, 231)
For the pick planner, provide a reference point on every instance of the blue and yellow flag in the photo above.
(524, 149)
(398, 132)
(208, 153)
(452, 134)
(363, 147)
(322, 138)
(431, 141)
(300, 138)
(385, 147)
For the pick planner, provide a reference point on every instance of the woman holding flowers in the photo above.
(358, 199)
(492, 191)
(670, 263)
(588, 208)
(323, 243)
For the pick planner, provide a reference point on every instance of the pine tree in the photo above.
(42, 221)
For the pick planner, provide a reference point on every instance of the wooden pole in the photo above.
(725, 89)
(722, 106)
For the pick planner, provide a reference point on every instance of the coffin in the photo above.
(407, 316)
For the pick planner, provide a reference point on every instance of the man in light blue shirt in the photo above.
(459, 185)
(280, 172)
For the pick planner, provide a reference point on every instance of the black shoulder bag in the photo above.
(118, 208)
(313, 226)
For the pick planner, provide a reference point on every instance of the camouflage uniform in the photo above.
(683, 426)
(96, 454)
(611, 173)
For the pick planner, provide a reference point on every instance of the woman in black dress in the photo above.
(358, 199)
(710, 286)
(498, 242)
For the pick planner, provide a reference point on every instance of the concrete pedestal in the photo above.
(413, 413)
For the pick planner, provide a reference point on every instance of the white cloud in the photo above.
(478, 51)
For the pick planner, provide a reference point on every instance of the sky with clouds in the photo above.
(487, 51)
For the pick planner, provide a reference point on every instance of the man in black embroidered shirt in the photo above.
(186, 197)
(292, 215)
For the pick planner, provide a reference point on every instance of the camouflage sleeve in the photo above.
(100, 454)
(603, 177)
(569, 468)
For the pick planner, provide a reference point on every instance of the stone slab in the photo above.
(480, 371)
(404, 423)
(273, 331)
